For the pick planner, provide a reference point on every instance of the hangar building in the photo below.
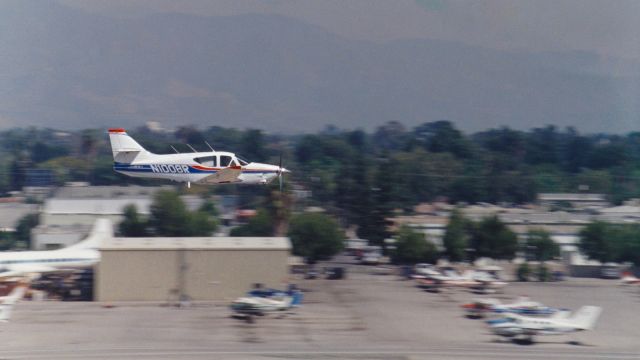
(197, 268)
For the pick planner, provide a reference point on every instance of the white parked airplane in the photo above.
(479, 308)
(81, 255)
(525, 328)
(211, 167)
(479, 281)
(7, 302)
(629, 279)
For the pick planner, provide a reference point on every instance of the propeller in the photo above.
(281, 170)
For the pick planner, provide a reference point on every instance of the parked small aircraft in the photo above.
(629, 279)
(262, 301)
(7, 302)
(520, 327)
(211, 167)
(479, 308)
(32, 263)
(478, 281)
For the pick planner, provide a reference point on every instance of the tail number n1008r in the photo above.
(170, 169)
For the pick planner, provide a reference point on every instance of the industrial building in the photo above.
(194, 268)
(67, 217)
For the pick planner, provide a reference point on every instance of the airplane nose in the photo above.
(284, 171)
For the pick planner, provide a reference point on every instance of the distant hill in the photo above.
(65, 68)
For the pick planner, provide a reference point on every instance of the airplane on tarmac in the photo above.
(262, 301)
(479, 308)
(81, 255)
(211, 167)
(629, 279)
(518, 327)
(478, 281)
(7, 302)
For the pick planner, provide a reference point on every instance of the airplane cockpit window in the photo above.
(226, 160)
(207, 161)
(242, 161)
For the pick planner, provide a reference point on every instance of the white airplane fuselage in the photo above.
(514, 326)
(183, 168)
(78, 256)
(21, 262)
(211, 167)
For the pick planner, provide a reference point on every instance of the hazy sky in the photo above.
(610, 28)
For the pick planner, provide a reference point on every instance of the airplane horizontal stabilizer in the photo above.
(585, 318)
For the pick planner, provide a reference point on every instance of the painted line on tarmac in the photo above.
(474, 353)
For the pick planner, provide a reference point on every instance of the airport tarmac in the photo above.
(363, 317)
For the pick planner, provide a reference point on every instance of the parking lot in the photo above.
(365, 316)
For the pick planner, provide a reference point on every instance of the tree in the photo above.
(492, 238)
(413, 247)
(252, 145)
(202, 224)
(456, 238)
(595, 244)
(442, 136)
(132, 225)
(373, 224)
(23, 229)
(259, 225)
(209, 207)
(540, 246)
(170, 217)
(315, 236)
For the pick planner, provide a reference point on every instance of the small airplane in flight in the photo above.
(84, 254)
(524, 328)
(211, 167)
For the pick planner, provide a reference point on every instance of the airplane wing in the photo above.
(8, 301)
(226, 175)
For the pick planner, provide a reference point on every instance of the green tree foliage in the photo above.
(23, 230)
(7, 241)
(442, 136)
(594, 242)
(209, 207)
(540, 246)
(523, 272)
(315, 236)
(611, 242)
(456, 237)
(170, 217)
(430, 161)
(492, 238)
(253, 146)
(132, 225)
(373, 223)
(413, 247)
(259, 225)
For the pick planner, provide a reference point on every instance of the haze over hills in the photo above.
(65, 68)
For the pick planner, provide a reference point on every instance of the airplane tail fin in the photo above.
(585, 318)
(7, 304)
(102, 229)
(124, 148)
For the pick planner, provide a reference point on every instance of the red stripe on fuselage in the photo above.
(117, 130)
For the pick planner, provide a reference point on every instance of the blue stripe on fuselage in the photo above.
(173, 169)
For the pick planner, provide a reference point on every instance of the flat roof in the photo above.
(94, 206)
(196, 243)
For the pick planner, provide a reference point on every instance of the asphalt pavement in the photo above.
(366, 316)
